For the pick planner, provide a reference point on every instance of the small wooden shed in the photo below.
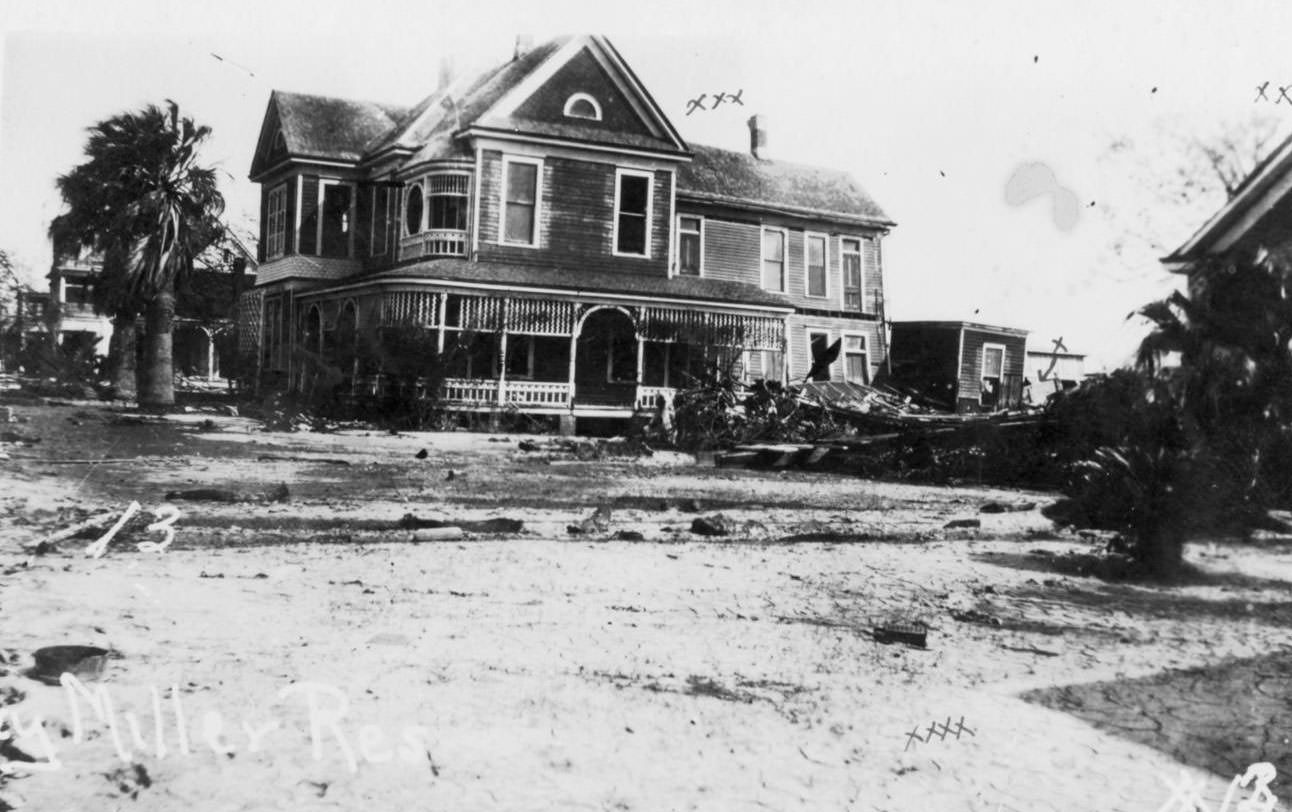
(967, 367)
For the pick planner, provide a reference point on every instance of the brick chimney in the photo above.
(523, 43)
(758, 136)
(445, 75)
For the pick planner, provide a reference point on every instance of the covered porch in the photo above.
(535, 355)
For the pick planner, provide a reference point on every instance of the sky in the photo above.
(983, 129)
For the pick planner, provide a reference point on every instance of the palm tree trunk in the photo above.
(122, 348)
(158, 390)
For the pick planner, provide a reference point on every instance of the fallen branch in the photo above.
(319, 460)
(69, 532)
(1031, 650)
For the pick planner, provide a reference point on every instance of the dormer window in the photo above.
(581, 105)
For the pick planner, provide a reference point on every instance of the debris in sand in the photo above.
(1001, 507)
(437, 534)
(129, 780)
(629, 535)
(278, 493)
(423, 454)
(496, 525)
(912, 633)
(598, 522)
(48, 543)
(1031, 650)
(527, 445)
(958, 523)
(975, 616)
(715, 525)
(319, 460)
(83, 662)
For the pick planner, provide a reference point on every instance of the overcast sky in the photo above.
(933, 107)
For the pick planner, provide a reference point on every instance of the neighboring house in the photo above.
(1256, 217)
(203, 343)
(560, 245)
(966, 367)
(1054, 371)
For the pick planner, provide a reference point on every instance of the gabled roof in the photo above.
(323, 127)
(1268, 185)
(724, 176)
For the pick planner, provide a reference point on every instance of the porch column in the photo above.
(574, 351)
(502, 368)
(444, 303)
(505, 307)
(641, 366)
(210, 354)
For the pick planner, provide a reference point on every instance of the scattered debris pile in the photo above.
(853, 428)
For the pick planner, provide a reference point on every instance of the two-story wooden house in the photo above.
(549, 222)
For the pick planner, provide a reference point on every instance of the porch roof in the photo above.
(690, 288)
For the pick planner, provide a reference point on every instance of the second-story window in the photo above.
(850, 254)
(276, 223)
(520, 202)
(815, 265)
(447, 195)
(632, 213)
(689, 245)
(413, 210)
(380, 215)
(336, 222)
(774, 259)
(78, 292)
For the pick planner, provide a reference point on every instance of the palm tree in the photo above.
(143, 201)
(1233, 382)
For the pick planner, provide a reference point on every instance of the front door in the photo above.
(605, 364)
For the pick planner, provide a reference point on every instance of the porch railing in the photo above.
(479, 391)
(648, 396)
(442, 242)
(470, 390)
(536, 393)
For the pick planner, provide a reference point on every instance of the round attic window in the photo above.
(581, 105)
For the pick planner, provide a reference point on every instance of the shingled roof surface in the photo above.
(679, 287)
(472, 101)
(738, 177)
(325, 127)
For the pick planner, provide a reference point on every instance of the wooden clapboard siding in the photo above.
(800, 352)
(970, 380)
(576, 217)
(732, 251)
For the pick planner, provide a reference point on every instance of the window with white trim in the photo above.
(336, 220)
(581, 105)
(763, 365)
(774, 259)
(818, 347)
(850, 259)
(276, 223)
(520, 194)
(632, 212)
(414, 209)
(993, 373)
(447, 202)
(856, 360)
(815, 265)
(380, 217)
(690, 245)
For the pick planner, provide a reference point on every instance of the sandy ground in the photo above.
(323, 659)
